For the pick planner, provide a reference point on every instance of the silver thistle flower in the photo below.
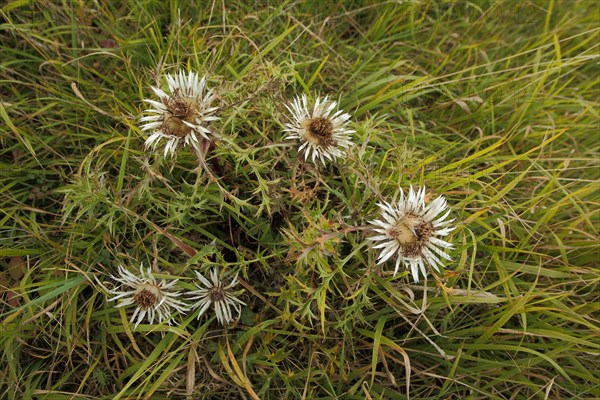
(218, 294)
(182, 117)
(153, 299)
(410, 230)
(322, 132)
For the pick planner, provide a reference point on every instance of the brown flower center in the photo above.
(216, 294)
(319, 131)
(411, 232)
(179, 109)
(146, 298)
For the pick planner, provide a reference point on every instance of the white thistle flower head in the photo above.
(411, 231)
(153, 299)
(323, 132)
(218, 294)
(181, 117)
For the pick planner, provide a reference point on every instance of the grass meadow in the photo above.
(491, 104)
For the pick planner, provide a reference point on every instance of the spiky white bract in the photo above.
(215, 292)
(153, 299)
(411, 231)
(322, 131)
(181, 117)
